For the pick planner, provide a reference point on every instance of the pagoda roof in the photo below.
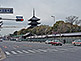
(34, 19)
(34, 23)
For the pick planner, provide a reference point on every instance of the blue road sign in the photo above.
(6, 10)
(21, 17)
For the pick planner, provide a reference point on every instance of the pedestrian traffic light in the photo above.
(19, 19)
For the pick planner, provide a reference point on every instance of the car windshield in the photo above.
(57, 41)
(77, 40)
(48, 40)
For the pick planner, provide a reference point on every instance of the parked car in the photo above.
(48, 41)
(56, 42)
(1, 40)
(77, 42)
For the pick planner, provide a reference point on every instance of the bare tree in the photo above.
(73, 20)
(78, 22)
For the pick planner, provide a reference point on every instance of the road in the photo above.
(29, 51)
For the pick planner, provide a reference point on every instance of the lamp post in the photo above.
(53, 18)
(54, 22)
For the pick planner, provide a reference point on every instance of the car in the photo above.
(48, 41)
(77, 42)
(56, 42)
(1, 40)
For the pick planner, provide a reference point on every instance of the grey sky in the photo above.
(44, 9)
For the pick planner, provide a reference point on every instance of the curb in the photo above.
(2, 55)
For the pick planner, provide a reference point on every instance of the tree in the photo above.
(15, 33)
(73, 20)
(60, 27)
(21, 32)
(41, 30)
(78, 22)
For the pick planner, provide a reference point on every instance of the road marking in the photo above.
(7, 53)
(39, 51)
(42, 50)
(36, 50)
(19, 52)
(31, 51)
(14, 48)
(63, 49)
(54, 50)
(13, 52)
(25, 51)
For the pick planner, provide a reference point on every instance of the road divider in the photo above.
(2, 55)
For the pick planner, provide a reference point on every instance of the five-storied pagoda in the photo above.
(33, 20)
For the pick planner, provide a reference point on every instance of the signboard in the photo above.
(19, 17)
(6, 10)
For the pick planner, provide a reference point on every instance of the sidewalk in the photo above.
(2, 55)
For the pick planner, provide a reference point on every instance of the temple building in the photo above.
(33, 21)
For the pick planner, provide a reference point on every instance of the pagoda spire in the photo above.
(33, 12)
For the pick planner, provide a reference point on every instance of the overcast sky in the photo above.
(44, 10)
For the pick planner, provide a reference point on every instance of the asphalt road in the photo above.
(28, 51)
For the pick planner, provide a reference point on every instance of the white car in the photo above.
(1, 40)
(48, 41)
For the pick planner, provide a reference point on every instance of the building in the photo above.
(33, 21)
(69, 37)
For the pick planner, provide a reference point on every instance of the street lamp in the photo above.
(53, 18)
(54, 22)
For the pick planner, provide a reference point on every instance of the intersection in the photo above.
(29, 51)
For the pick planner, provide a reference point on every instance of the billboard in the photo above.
(6, 10)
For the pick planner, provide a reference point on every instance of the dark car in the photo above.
(56, 42)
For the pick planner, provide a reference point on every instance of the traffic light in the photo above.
(19, 19)
(0, 18)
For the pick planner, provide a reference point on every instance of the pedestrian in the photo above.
(64, 41)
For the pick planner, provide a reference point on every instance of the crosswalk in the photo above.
(13, 52)
(34, 51)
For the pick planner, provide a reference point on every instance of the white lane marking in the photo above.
(31, 51)
(7, 53)
(13, 52)
(19, 52)
(54, 50)
(36, 50)
(42, 50)
(25, 51)
(63, 49)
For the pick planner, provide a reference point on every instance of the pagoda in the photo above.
(33, 20)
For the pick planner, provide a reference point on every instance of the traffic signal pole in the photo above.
(12, 19)
(7, 19)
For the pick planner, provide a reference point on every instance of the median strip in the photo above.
(2, 55)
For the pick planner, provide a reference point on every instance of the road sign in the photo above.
(19, 17)
(6, 10)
